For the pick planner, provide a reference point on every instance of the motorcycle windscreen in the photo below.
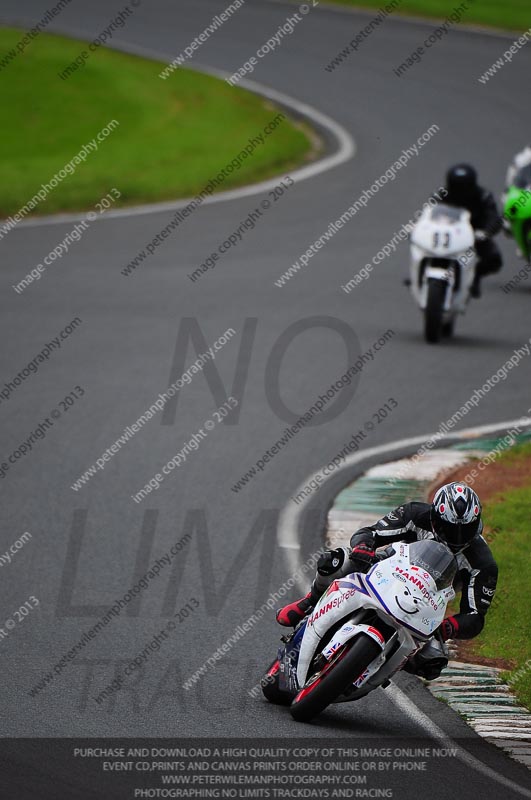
(436, 559)
(448, 214)
(522, 179)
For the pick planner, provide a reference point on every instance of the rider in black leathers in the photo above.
(459, 525)
(464, 191)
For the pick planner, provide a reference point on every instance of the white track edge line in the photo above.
(409, 19)
(287, 539)
(420, 718)
(287, 526)
(345, 151)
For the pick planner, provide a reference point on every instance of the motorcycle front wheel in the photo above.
(433, 315)
(448, 328)
(327, 683)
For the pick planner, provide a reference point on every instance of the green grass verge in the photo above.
(507, 632)
(173, 135)
(512, 14)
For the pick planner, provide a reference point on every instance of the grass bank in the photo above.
(504, 487)
(172, 136)
(511, 15)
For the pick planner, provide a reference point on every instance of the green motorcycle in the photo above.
(517, 210)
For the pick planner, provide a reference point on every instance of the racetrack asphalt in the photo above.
(87, 545)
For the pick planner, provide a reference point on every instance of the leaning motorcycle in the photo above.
(517, 210)
(442, 266)
(364, 628)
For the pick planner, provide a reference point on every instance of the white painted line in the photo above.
(464, 666)
(287, 538)
(426, 469)
(341, 526)
(407, 19)
(419, 718)
(478, 695)
(287, 532)
(338, 518)
(497, 722)
(346, 147)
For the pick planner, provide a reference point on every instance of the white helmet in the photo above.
(456, 515)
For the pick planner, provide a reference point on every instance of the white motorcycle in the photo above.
(364, 629)
(442, 267)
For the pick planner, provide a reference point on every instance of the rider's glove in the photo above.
(331, 561)
(383, 552)
(449, 628)
(362, 556)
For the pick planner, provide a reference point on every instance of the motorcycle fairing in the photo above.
(400, 592)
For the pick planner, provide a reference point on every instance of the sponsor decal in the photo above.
(361, 678)
(348, 584)
(407, 610)
(332, 604)
(376, 633)
(416, 581)
(332, 649)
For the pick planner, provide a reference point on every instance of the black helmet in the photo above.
(456, 515)
(461, 183)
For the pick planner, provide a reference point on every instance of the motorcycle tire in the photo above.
(433, 315)
(448, 328)
(325, 686)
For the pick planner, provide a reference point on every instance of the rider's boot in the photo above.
(475, 289)
(291, 615)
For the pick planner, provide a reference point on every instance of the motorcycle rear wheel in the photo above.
(324, 686)
(433, 315)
